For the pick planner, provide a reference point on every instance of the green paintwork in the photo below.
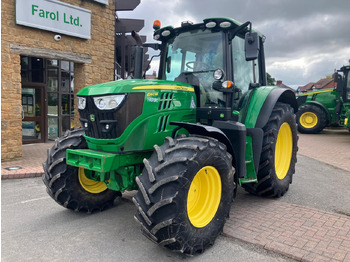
(126, 86)
(256, 102)
(251, 175)
(118, 161)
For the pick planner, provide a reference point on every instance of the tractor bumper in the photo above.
(92, 160)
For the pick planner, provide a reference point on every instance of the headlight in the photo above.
(81, 102)
(218, 74)
(108, 102)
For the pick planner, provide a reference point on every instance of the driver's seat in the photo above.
(188, 77)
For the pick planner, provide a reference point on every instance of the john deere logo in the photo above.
(92, 118)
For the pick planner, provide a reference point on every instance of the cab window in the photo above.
(245, 72)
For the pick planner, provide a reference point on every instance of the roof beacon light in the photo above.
(156, 24)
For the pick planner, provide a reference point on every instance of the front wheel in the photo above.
(279, 154)
(69, 186)
(185, 193)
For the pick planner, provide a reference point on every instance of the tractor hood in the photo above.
(133, 86)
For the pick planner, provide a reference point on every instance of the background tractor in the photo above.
(328, 107)
(206, 125)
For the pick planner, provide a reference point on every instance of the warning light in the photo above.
(156, 24)
(227, 84)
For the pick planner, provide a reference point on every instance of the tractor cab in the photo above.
(220, 58)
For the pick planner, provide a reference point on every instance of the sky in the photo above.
(306, 40)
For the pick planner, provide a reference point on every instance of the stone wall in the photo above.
(94, 60)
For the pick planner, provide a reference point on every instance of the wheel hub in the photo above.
(308, 120)
(90, 185)
(204, 196)
(283, 150)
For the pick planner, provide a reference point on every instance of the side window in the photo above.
(245, 72)
(174, 62)
(173, 67)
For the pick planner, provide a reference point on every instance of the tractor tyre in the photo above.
(311, 119)
(279, 154)
(185, 193)
(68, 185)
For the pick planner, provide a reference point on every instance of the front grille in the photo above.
(117, 120)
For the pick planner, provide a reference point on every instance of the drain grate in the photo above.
(13, 168)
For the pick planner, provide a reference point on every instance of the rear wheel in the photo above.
(69, 186)
(185, 193)
(311, 119)
(278, 156)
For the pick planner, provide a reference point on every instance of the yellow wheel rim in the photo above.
(308, 120)
(283, 150)
(90, 185)
(204, 196)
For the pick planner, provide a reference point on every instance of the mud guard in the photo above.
(277, 95)
(230, 133)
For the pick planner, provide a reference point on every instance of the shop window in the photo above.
(60, 86)
(52, 81)
(32, 69)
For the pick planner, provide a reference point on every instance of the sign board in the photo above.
(105, 2)
(54, 16)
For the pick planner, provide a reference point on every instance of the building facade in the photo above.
(50, 50)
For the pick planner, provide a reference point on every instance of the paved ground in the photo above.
(36, 228)
(331, 146)
(30, 164)
(299, 232)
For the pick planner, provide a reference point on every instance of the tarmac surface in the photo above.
(295, 231)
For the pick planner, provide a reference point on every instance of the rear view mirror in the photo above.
(251, 46)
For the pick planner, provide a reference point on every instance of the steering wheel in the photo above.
(190, 64)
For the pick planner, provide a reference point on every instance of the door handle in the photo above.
(22, 112)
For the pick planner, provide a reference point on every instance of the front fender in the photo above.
(230, 133)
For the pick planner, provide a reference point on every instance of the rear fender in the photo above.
(276, 95)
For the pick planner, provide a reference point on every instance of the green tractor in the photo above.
(184, 141)
(327, 107)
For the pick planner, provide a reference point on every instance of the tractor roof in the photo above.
(215, 24)
(345, 68)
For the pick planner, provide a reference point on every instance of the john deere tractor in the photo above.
(184, 141)
(327, 107)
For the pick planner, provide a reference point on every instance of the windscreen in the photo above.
(192, 57)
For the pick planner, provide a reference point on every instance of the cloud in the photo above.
(306, 39)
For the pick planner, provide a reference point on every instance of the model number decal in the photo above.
(152, 99)
(152, 94)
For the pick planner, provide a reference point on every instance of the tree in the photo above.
(270, 80)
